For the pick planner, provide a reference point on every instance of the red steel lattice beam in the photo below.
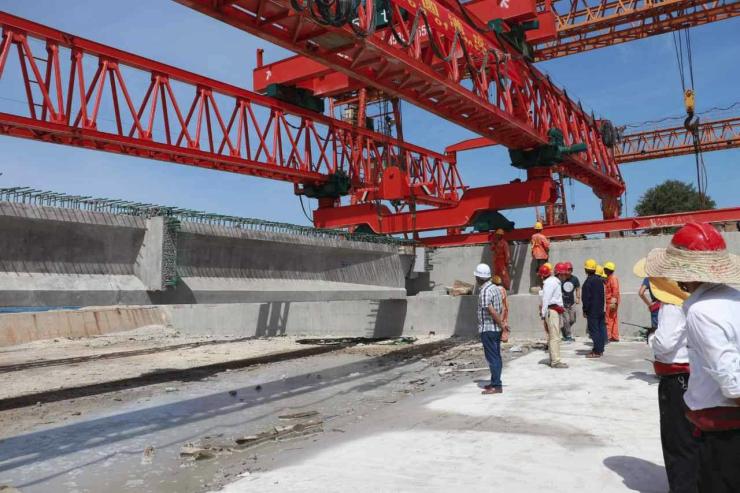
(507, 99)
(594, 227)
(84, 94)
(584, 25)
(665, 142)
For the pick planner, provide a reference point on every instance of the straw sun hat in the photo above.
(697, 253)
(663, 289)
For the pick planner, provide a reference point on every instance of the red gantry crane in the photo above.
(469, 63)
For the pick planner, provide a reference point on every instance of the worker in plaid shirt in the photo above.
(491, 326)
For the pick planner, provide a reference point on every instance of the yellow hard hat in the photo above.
(610, 266)
(548, 265)
(499, 231)
(538, 225)
(590, 264)
(496, 279)
(600, 271)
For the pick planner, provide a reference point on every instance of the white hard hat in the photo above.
(483, 271)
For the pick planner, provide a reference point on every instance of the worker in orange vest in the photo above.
(504, 300)
(501, 258)
(540, 246)
(612, 302)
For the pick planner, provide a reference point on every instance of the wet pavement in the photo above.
(131, 440)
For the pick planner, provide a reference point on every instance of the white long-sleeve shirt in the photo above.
(713, 322)
(669, 341)
(552, 294)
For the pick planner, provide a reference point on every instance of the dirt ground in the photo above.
(200, 434)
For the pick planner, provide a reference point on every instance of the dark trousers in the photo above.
(680, 447)
(492, 351)
(596, 327)
(719, 462)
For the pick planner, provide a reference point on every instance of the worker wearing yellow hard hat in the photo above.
(613, 299)
(501, 257)
(540, 247)
(592, 297)
(600, 271)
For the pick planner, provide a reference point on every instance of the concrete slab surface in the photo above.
(592, 427)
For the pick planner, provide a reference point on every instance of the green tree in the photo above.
(672, 196)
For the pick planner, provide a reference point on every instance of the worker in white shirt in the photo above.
(668, 342)
(550, 310)
(698, 260)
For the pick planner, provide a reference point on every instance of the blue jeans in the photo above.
(654, 320)
(597, 331)
(492, 351)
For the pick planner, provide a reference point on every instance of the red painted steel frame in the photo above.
(188, 119)
(584, 25)
(530, 193)
(594, 227)
(507, 99)
(665, 142)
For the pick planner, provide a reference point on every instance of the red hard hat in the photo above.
(698, 237)
(568, 265)
(544, 271)
(561, 268)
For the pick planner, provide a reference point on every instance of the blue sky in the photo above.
(627, 83)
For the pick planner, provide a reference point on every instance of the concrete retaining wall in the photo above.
(449, 264)
(415, 315)
(66, 257)
(20, 328)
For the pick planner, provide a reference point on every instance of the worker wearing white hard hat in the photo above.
(491, 325)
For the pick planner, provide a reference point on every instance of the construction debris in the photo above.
(197, 453)
(281, 433)
(446, 371)
(460, 288)
(305, 414)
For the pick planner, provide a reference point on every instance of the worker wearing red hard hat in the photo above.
(540, 246)
(501, 258)
(698, 260)
(612, 301)
(550, 310)
(571, 287)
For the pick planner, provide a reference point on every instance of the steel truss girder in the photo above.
(594, 227)
(89, 99)
(584, 25)
(507, 100)
(714, 135)
(529, 193)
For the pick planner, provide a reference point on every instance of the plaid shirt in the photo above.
(488, 295)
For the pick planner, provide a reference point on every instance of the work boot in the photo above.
(558, 365)
(488, 390)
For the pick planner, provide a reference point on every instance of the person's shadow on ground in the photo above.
(639, 474)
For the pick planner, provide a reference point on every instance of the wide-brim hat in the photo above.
(664, 290)
(719, 266)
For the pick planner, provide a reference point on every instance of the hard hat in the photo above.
(538, 225)
(483, 271)
(701, 237)
(590, 264)
(600, 271)
(496, 279)
(499, 231)
(561, 268)
(568, 265)
(544, 271)
(548, 264)
(697, 253)
(610, 266)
